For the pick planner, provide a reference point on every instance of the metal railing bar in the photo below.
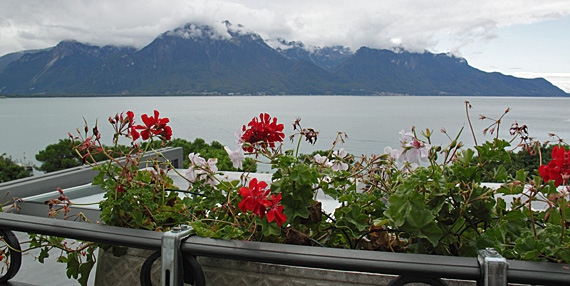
(538, 273)
(464, 268)
(137, 238)
(71, 177)
(339, 259)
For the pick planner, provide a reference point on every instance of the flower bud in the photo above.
(453, 144)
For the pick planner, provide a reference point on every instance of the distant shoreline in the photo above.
(255, 95)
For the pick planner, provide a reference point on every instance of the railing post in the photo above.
(172, 268)
(493, 268)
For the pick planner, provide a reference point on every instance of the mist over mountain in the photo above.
(196, 59)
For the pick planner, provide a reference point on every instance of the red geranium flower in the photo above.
(263, 132)
(165, 133)
(557, 170)
(254, 198)
(154, 126)
(275, 210)
(120, 189)
(132, 131)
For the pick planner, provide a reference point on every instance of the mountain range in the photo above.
(196, 59)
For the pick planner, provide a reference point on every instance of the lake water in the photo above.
(28, 125)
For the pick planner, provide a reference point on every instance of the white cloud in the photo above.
(413, 24)
(561, 80)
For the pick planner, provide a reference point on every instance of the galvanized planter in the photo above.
(124, 269)
(220, 271)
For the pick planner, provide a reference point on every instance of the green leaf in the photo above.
(84, 271)
(468, 172)
(500, 174)
(521, 175)
(515, 215)
(352, 217)
(269, 228)
(43, 254)
(302, 174)
(412, 216)
(98, 179)
(294, 208)
(72, 266)
(422, 223)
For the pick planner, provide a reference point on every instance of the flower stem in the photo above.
(467, 106)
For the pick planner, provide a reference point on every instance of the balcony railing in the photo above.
(406, 265)
(430, 269)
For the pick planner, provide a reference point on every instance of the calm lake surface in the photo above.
(28, 125)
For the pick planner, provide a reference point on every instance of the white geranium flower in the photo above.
(201, 170)
(339, 164)
(322, 160)
(392, 153)
(236, 156)
(415, 151)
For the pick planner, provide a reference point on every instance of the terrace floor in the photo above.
(50, 273)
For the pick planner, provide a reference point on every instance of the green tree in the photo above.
(527, 160)
(58, 156)
(207, 151)
(9, 170)
(61, 156)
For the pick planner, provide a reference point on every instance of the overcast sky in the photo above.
(520, 37)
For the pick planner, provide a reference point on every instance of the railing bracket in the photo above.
(172, 265)
(493, 268)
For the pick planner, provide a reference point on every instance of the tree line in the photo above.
(59, 156)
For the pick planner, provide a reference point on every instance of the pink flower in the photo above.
(394, 154)
(200, 169)
(210, 179)
(194, 170)
(414, 150)
(322, 160)
(236, 157)
(338, 164)
(406, 136)
(195, 159)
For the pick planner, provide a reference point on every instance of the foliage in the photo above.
(59, 156)
(528, 159)
(212, 150)
(9, 170)
(420, 198)
(391, 202)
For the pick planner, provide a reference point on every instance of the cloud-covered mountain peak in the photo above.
(195, 32)
(229, 59)
(240, 31)
(283, 44)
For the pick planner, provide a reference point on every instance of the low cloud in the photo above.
(561, 80)
(412, 24)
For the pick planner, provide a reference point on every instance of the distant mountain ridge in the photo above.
(196, 59)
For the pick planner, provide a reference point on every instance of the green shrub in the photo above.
(9, 170)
